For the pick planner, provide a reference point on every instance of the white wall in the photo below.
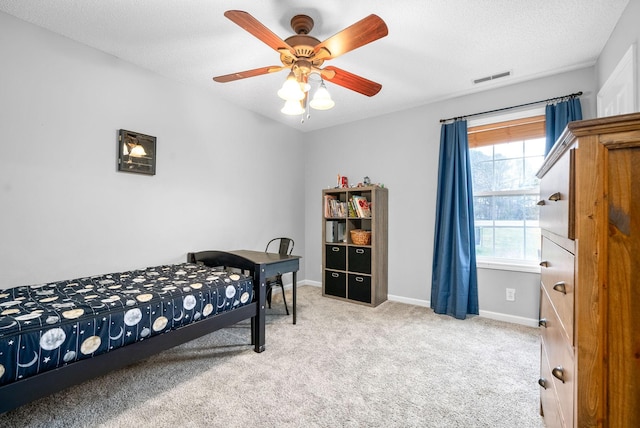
(66, 212)
(401, 151)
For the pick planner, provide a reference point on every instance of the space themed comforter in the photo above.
(46, 326)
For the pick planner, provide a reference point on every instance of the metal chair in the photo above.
(285, 247)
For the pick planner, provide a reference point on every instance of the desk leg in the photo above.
(295, 285)
(258, 322)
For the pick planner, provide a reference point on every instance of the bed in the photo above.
(59, 334)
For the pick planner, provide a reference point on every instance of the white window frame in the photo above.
(483, 262)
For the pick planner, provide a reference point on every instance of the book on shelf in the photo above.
(327, 204)
(352, 209)
(331, 230)
(362, 207)
(335, 231)
(341, 237)
(334, 208)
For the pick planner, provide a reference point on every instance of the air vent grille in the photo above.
(304, 51)
(493, 77)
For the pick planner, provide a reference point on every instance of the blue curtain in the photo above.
(556, 118)
(454, 284)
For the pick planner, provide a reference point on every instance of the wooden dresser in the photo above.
(590, 275)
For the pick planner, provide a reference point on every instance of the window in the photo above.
(504, 158)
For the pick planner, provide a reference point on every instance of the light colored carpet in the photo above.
(342, 365)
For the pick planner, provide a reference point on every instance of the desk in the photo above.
(274, 264)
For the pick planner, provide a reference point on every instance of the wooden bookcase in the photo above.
(351, 272)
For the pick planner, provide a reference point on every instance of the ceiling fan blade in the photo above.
(351, 81)
(359, 34)
(255, 27)
(248, 73)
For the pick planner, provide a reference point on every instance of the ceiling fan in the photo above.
(303, 54)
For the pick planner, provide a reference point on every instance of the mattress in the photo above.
(46, 326)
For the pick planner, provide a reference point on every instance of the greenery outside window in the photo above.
(504, 159)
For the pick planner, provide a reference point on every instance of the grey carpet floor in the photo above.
(342, 365)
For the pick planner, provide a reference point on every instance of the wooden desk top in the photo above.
(260, 257)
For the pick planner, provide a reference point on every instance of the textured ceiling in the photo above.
(434, 50)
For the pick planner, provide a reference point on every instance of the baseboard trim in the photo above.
(514, 319)
(409, 301)
(312, 283)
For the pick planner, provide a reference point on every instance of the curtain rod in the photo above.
(577, 94)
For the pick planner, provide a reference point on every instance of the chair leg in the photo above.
(284, 299)
(269, 296)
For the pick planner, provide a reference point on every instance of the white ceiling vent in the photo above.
(494, 77)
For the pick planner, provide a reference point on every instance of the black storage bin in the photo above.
(360, 259)
(335, 283)
(359, 288)
(336, 257)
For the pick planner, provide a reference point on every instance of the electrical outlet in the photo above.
(511, 294)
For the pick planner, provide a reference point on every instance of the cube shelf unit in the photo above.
(351, 272)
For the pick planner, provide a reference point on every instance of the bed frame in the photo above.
(34, 387)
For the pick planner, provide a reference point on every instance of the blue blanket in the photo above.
(49, 325)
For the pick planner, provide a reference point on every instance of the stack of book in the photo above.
(335, 231)
(357, 207)
(361, 207)
(334, 208)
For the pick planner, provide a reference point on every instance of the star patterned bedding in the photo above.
(49, 325)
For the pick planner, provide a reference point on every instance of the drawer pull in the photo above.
(540, 202)
(560, 287)
(359, 251)
(359, 279)
(335, 249)
(558, 373)
(544, 263)
(542, 322)
(555, 197)
(542, 382)
(335, 275)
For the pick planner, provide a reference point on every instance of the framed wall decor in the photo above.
(136, 152)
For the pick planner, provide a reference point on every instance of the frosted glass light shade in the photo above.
(292, 108)
(290, 90)
(321, 99)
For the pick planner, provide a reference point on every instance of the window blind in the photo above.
(507, 131)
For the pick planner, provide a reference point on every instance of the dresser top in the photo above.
(581, 128)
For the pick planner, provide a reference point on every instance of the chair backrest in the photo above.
(285, 246)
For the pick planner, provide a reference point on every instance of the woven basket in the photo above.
(360, 237)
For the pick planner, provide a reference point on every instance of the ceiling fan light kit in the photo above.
(322, 99)
(303, 55)
(291, 89)
(292, 108)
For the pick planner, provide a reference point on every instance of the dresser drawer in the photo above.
(557, 277)
(548, 397)
(559, 353)
(551, 330)
(556, 198)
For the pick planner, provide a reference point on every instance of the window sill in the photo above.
(508, 265)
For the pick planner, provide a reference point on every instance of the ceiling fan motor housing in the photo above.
(303, 46)
(301, 42)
